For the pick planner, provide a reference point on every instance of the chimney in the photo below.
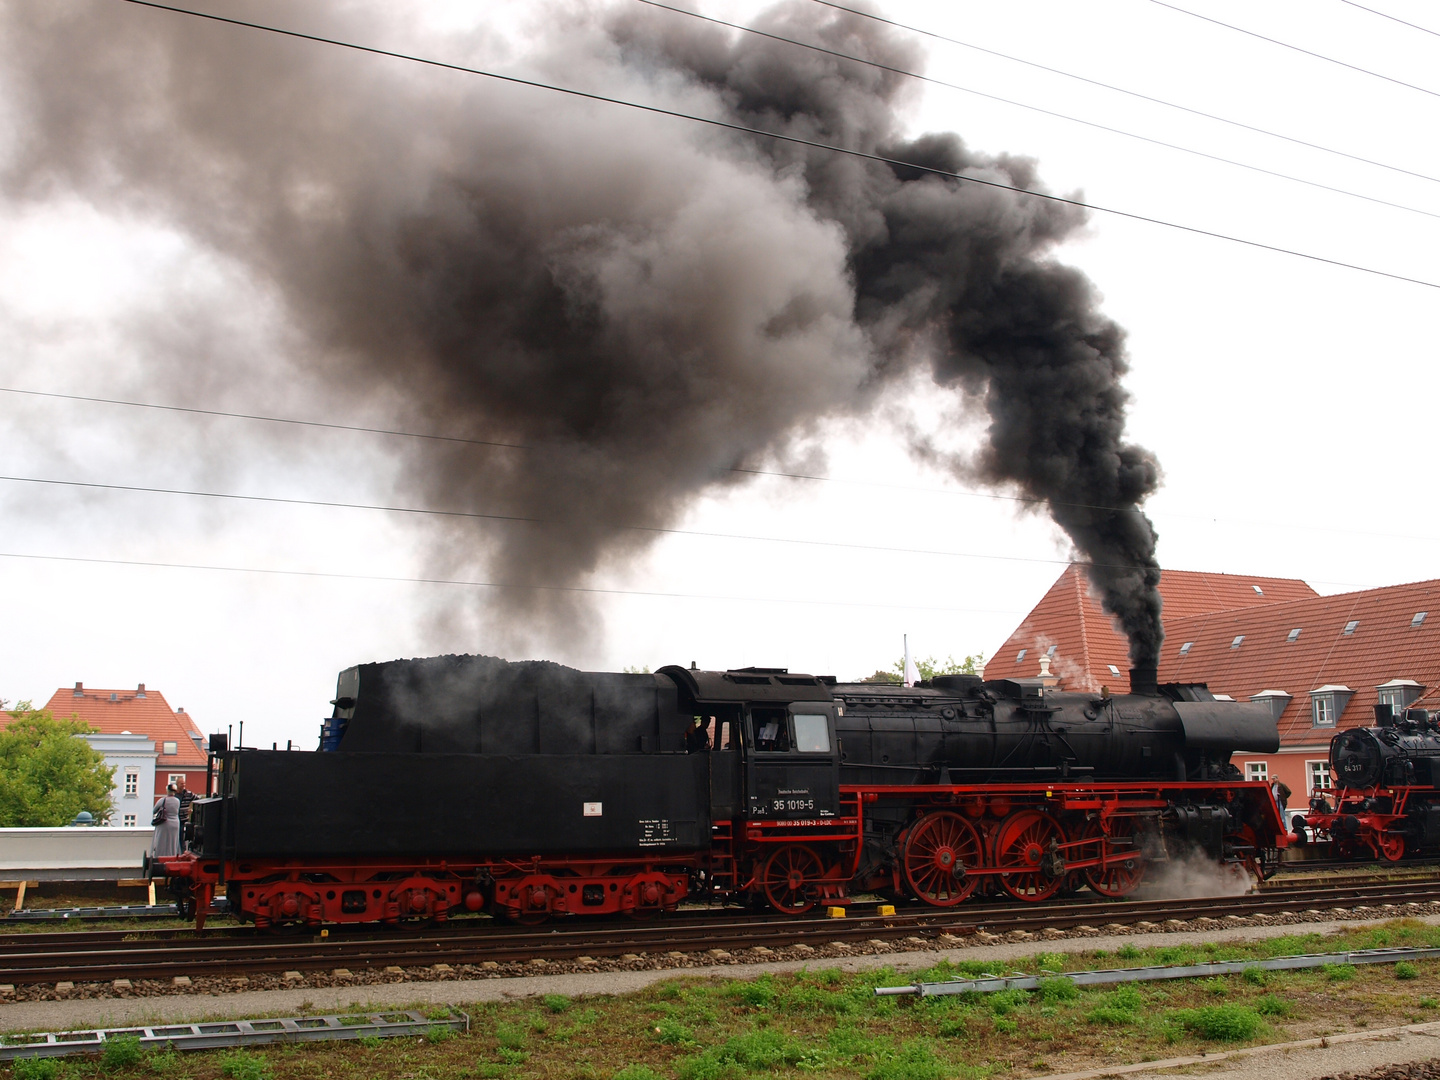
(1145, 680)
(79, 689)
(140, 690)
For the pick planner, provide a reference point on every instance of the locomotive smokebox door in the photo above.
(792, 761)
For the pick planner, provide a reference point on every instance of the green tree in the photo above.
(48, 774)
(929, 668)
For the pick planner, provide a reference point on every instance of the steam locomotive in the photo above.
(1388, 800)
(532, 790)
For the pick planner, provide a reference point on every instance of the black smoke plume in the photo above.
(645, 306)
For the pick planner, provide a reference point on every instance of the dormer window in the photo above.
(1275, 700)
(1020, 655)
(1399, 694)
(1294, 635)
(1185, 649)
(1327, 703)
(1350, 626)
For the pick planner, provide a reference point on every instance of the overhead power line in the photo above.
(1392, 18)
(918, 489)
(1038, 109)
(473, 584)
(1128, 93)
(518, 519)
(1297, 48)
(791, 139)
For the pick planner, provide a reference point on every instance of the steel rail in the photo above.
(161, 958)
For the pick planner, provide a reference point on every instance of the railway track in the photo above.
(102, 956)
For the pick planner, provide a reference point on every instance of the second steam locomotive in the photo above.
(531, 790)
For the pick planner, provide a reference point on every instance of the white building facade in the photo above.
(133, 759)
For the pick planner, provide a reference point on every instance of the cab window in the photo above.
(772, 729)
(812, 733)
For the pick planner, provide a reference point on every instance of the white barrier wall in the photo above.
(72, 853)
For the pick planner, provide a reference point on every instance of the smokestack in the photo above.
(1145, 679)
(630, 312)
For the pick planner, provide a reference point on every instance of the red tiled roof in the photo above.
(1382, 646)
(147, 713)
(1087, 643)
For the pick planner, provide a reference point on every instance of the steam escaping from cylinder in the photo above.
(1193, 876)
(639, 308)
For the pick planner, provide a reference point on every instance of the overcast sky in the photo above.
(1287, 399)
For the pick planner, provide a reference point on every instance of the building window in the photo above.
(129, 821)
(1185, 649)
(175, 778)
(1350, 626)
(1238, 639)
(1020, 655)
(1324, 709)
(1257, 770)
(169, 748)
(1318, 774)
(132, 782)
(1294, 635)
(1052, 650)
(1419, 619)
(1113, 669)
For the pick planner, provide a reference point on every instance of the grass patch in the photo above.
(1220, 1023)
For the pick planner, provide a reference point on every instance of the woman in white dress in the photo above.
(166, 819)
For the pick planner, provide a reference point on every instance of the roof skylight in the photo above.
(1293, 635)
(1350, 626)
(1052, 650)
(1419, 618)
(1238, 639)
(1185, 649)
(1020, 655)
(1258, 591)
(1113, 669)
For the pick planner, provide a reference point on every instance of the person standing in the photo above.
(186, 797)
(166, 819)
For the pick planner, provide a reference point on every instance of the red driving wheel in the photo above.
(938, 850)
(787, 878)
(1022, 843)
(1117, 878)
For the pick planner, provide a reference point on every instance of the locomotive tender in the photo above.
(1387, 803)
(531, 790)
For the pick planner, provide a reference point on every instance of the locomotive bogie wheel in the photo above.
(1116, 879)
(1021, 845)
(1391, 846)
(787, 878)
(938, 850)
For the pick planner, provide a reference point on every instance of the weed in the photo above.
(1221, 1023)
(1052, 991)
(851, 1042)
(1109, 1016)
(1270, 1005)
(35, 1069)
(370, 1042)
(673, 1033)
(556, 1003)
(121, 1052)
(1338, 972)
(1005, 1026)
(435, 1012)
(1217, 987)
(954, 1029)
(914, 1061)
(1126, 997)
(637, 1072)
(239, 1065)
(1255, 976)
(168, 1061)
(510, 1056)
(1003, 1001)
(437, 1035)
(1050, 962)
(1406, 970)
(752, 1052)
(1128, 952)
(1429, 1003)
(757, 994)
(510, 1036)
